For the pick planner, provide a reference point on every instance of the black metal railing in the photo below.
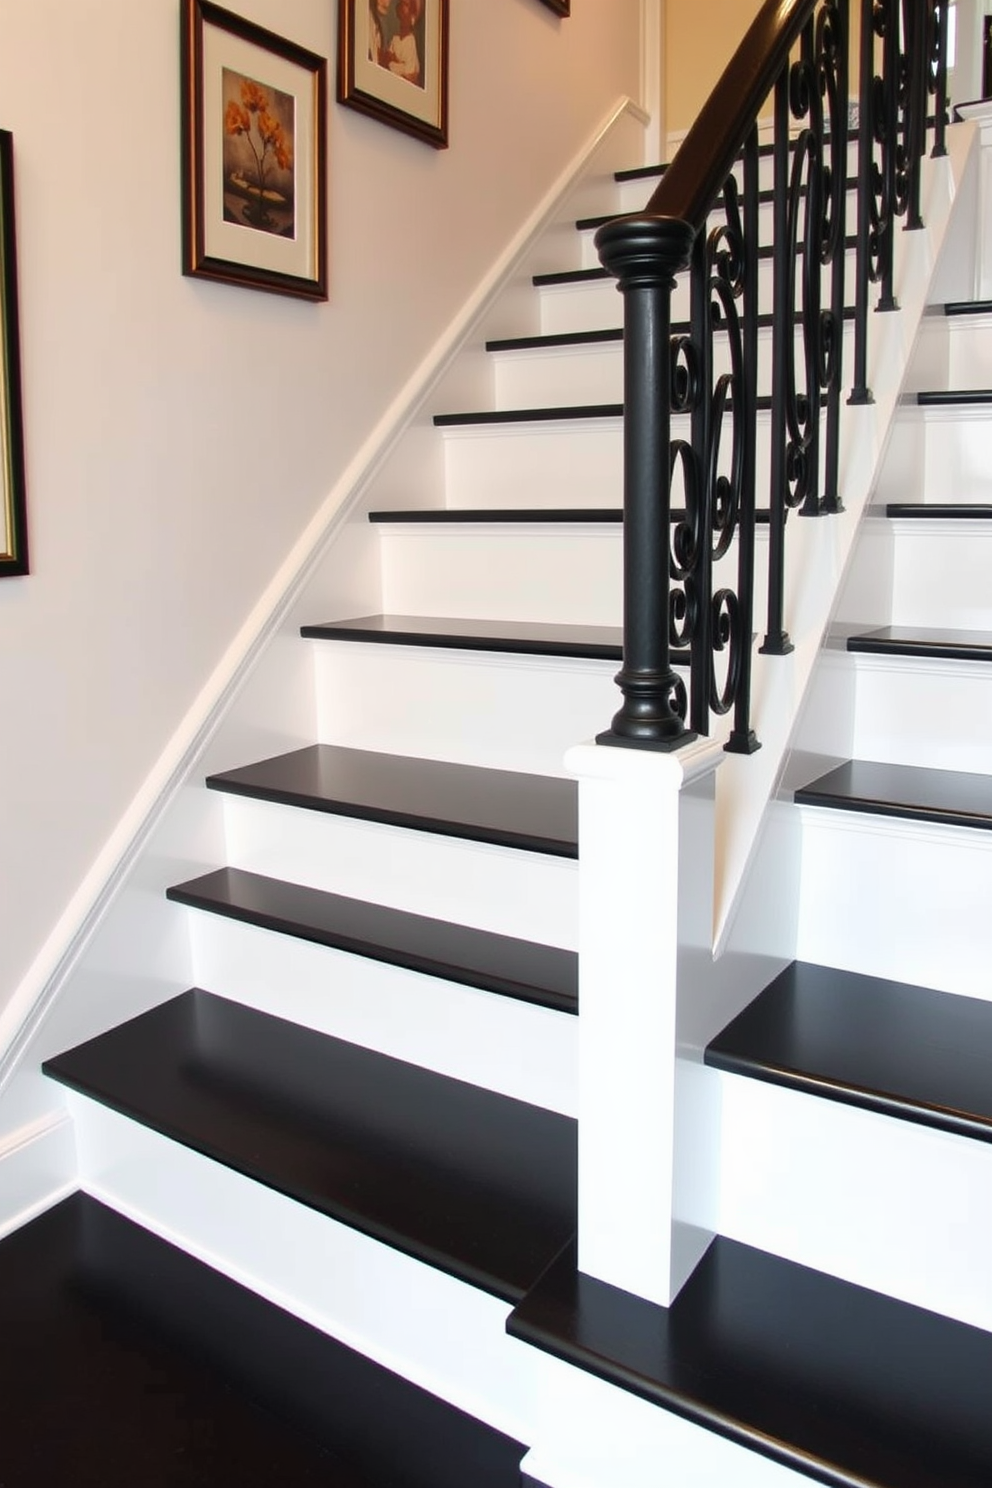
(693, 441)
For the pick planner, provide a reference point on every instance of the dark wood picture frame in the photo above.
(13, 504)
(560, 7)
(378, 87)
(254, 155)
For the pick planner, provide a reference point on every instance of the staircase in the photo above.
(325, 1227)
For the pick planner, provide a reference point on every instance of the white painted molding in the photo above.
(64, 947)
(37, 1170)
(653, 77)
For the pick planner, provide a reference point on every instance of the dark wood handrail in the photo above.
(706, 156)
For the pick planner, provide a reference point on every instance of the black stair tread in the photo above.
(939, 511)
(561, 515)
(529, 415)
(844, 1385)
(526, 638)
(968, 307)
(594, 338)
(443, 515)
(954, 397)
(520, 969)
(923, 641)
(474, 1183)
(947, 797)
(575, 413)
(887, 1046)
(129, 1363)
(509, 809)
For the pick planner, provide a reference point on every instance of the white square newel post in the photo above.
(646, 825)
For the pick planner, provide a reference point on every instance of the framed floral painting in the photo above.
(13, 519)
(254, 114)
(393, 64)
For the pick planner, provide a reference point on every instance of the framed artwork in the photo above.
(560, 7)
(254, 120)
(393, 64)
(13, 511)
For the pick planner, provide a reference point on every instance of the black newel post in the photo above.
(645, 254)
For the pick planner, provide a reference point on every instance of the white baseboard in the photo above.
(37, 1170)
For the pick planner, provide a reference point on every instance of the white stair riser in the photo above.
(566, 463)
(953, 351)
(595, 304)
(528, 895)
(885, 1203)
(931, 713)
(938, 455)
(635, 194)
(941, 574)
(556, 377)
(567, 574)
(429, 1328)
(902, 709)
(502, 712)
(560, 574)
(899, 899)
(637, 199)
(500, 1043)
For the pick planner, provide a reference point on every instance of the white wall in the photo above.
(179, 434)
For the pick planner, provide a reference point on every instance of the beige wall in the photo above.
(700, 38)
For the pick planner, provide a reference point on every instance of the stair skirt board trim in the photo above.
(430, 1328)
(37, 1170)
(102, 884)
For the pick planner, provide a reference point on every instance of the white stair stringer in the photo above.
(817, 560)
(483, 1038)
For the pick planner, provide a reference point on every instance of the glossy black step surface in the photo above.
(923, 641)
(939, 511)
(968, 307)
(522, 638)
(477, 1184)
(534, 812)
(128, 1364)
(945, 797)
(518, 515)
(529, 415)
(456, 516)
(845, 1386)
(520, 969)
(574, 414)
(954, 397)
(900, 1050)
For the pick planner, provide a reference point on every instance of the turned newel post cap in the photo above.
(645, 252)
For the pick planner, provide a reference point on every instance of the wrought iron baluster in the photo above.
(777, 642)
(832, 65)
(742, 738)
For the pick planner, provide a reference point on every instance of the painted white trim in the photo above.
(37, 1170)
(58, 957)
(653, 78)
